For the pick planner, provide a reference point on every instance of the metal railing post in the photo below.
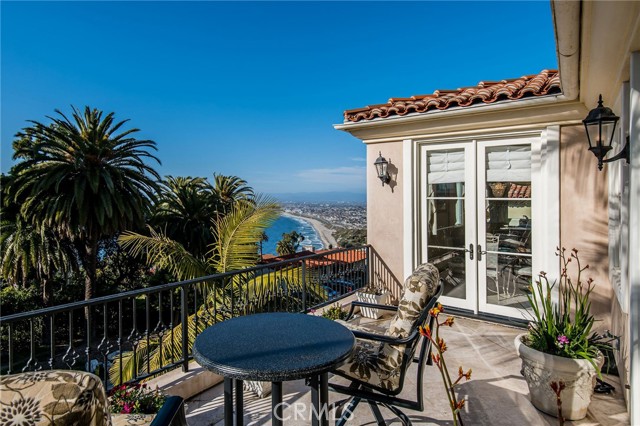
(304, 286)
(367, 266)
(184, 317)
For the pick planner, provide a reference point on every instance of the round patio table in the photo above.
(274, 347)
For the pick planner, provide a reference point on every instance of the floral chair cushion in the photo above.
(416, 292)
(380, 364)
(53, 397)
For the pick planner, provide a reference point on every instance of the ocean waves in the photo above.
(285, 224)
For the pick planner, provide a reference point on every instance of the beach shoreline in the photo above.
(325, 234)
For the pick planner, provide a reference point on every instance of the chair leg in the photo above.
(346, 414)
(376, 413)
(402, 416)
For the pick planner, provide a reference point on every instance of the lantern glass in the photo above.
(382, 169)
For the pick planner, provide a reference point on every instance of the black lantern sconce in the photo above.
(381, 168)
(601, 125)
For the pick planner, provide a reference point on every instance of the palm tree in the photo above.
(234, 246)
(84, 179)
(185, 209)
(230, 189)
(289, 243)
(263, 239)
(29, 252)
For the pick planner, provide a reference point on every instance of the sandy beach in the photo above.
(325, 234)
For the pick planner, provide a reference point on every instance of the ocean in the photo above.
(286, 224)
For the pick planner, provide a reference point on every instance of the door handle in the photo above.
(480, 252)
(470, 251)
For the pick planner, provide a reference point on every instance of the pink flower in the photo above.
(127, 408)
(562, 340)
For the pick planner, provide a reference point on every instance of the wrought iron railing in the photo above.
(133, 335)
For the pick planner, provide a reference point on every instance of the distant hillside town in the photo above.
(347, 221)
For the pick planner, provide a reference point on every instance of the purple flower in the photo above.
(562, 340)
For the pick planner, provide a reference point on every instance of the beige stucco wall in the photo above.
(384, 215)
(584, 215)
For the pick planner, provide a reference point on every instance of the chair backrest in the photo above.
(420, 293)
(417, 291)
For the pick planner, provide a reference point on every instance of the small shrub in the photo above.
(335, 312)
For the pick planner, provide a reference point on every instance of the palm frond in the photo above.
(239, 232)
(165, 253)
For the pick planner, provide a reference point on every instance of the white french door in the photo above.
(476, 222)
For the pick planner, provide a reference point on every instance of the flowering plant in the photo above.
(564, 328)
(438, 359)
(135, 399)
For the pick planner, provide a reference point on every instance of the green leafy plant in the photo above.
(564, 328)
(335, 312)
(438, 359)
(135, 399)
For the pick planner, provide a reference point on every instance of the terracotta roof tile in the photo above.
(547, 82)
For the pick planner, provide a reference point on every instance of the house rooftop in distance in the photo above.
(547, 82)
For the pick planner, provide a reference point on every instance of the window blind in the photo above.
(445, 166)
(509, 164)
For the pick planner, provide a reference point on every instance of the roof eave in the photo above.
(348, 126)
(566, 22)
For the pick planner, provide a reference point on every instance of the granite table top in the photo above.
(273, 346)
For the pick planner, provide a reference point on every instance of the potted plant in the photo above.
(136, 399)
(335, 312)
(373, 294)
(560, 346)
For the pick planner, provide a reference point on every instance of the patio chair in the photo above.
(69, 397)
(378, 366)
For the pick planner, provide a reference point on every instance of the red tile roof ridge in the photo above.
(546, 82)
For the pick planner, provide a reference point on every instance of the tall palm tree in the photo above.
(29, 252)
(185, 209)
(85, 178)
(230, 189)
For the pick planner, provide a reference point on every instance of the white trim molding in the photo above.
(408, 218)
(634, 238)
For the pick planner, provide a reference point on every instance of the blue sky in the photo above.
(252, 89)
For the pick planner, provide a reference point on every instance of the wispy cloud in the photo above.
(359, 159)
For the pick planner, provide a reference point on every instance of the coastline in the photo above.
(325, 234)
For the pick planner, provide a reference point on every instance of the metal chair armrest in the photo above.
(384, 339)
(369, 305)
(171, 413)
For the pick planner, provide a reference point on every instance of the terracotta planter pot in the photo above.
(540, 370)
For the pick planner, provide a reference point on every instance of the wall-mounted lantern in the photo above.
(600, 125)
(381, 168)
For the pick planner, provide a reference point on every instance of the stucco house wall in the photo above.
(584, 216)
(384, 216)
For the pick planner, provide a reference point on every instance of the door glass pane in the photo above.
(445, 227)
(446, 223)
(451, 265)
(508, 225)
(509, 279)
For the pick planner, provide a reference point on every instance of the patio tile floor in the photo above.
(496, 394)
